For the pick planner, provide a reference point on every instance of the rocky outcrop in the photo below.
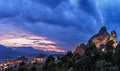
(80, 49)
(100, 40)
(102, 37)
(113, 37)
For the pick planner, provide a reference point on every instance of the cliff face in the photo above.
(113, 37)
(80, 49)
(102, 37)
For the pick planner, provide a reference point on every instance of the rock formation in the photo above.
(100, 40)
(113, 37)
(102, 37)
(80, 49)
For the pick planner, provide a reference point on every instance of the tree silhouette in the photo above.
(50, 59)
(33, 68)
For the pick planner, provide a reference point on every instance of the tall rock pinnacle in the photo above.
(103, 30)
(101, 37)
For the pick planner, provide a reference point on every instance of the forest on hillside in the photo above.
(92, 60)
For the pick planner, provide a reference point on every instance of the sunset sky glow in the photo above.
(36, 42)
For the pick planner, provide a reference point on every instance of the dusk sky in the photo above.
(55, 25)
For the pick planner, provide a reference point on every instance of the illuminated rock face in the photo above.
(80, 49)
(113, 37)
(102, 37)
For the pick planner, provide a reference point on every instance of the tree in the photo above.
(102, 65)
(69, 54)
(50, 59)
(109, 51)
(49, 63)
(109, 46)
(116, 55)
(33, 68)
(22, 69)
(92, 52)
(91, 46)
(22, 63)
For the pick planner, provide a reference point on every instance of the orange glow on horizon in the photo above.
(36, 42)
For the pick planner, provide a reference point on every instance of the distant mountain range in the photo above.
(27, 50)
(30, 50)
(8, 52)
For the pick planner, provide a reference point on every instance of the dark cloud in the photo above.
(51, 3)
(88, 6)
(7, 9)
(67, 22)
(111, 12)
